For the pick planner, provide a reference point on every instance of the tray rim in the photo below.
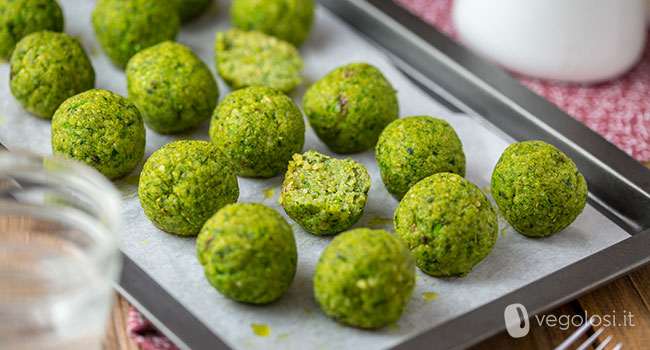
(188, 332)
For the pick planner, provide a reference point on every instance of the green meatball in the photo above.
(101, 129)
(184, 183)
(289, 20)
(254, 58)
(189, 9)
(413, 148)
(350, 106)
(46, 69)
(539, 190)
(259, 129)
(365, 278)
(125, 27)
(448, 224)
(248, 252)
(173, 89)
(324, 195)
(21, 17)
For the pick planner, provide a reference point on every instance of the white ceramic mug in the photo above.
(580, 41)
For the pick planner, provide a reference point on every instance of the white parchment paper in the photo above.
(295, 322)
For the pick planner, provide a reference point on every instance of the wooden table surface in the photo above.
(629, 294)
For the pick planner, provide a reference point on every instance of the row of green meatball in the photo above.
(340, 106)
(364, 278)
(48, 67)
(125, 27)
(141, 20)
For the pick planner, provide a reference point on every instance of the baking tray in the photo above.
(619, 185)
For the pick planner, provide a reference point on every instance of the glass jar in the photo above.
(59, 222)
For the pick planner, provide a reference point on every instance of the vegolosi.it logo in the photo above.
(517, 323)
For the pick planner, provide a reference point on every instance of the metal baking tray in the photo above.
(619, 185)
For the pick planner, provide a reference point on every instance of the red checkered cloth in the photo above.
(144, 334)
(618, 110)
